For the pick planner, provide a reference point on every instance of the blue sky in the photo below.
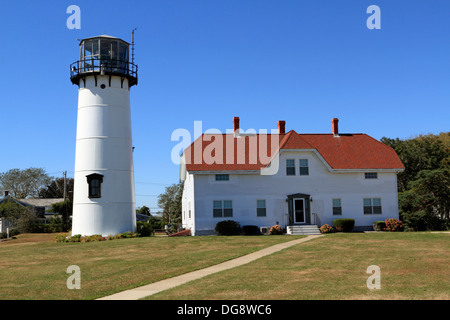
(303, 61)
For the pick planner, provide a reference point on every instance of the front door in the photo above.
(299, 210)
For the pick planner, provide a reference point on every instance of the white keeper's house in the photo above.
(299, 181)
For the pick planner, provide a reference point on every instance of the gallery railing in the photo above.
(104, 67)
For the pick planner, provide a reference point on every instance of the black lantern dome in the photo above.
(104, 55)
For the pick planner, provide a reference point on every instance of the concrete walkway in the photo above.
(153, 288)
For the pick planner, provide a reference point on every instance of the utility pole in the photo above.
(65, 183)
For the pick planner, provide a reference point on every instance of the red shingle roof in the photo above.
(347, 151)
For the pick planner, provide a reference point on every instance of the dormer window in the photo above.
(304, 168)
(290, 167)
(95, 185)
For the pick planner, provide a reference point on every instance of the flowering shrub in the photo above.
(326, 228)
(393, 225)
(276, 229)
(93, 238)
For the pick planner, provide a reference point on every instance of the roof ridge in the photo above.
(285, 140)
(294, 133)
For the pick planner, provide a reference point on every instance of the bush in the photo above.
(173, 228)
(393, 225)
(326, 228)
(27, 222)
(54, 225)
(12, 233)
(379, 225)
(344, 225)
(144, 229)
(64, 209)
(126, 234)
(95, 237)
(276, 229)
(424, 221)
(228, 228)
(250, 230)
(60, 238)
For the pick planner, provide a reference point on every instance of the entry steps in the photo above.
(302, 229)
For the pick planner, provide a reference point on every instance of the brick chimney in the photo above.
(236, 124)
(335, 129)
(281, 127)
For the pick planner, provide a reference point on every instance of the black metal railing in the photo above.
(103, 67)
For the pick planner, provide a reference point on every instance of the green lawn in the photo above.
(412, 266)
(31, 268)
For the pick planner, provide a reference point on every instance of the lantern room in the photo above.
(104, 55)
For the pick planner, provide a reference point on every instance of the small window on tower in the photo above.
(95, 183)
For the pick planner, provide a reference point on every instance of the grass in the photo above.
(34, 267)
(412, 266)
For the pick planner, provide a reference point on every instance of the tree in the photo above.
(22, 217)
(170, 202)
(425, 152)
(144, 210)
(64, 208)
(11, 210)
(424, 186)
(24, 183)
(426, 204)
(56, 188)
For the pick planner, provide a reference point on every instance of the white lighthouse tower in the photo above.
(103, 199)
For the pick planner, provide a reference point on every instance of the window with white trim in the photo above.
(337, 207)
(290, 167)
(260, 208)
(222, 208)
(304, 168)
(371, 175)
(372, 206)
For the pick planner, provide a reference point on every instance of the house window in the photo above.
(372, 206)
(371, 175)
(222, 177)
(95, 183)
(290, 167)
(260, 208)
(337, 207)
(304, 169)
(222, 208)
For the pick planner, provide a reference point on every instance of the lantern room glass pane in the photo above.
(123, 52)
(87, 48)
(114, 50)
(95, 48)
(105, 49)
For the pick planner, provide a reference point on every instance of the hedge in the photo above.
(344, 225)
